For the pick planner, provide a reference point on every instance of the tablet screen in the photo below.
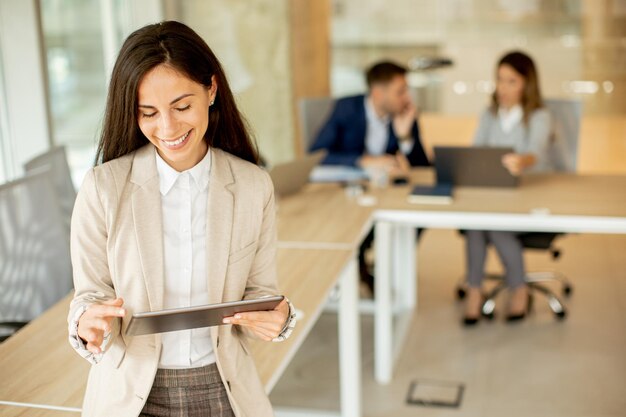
(195, 317)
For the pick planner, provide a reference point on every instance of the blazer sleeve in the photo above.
(481, 137)
(92, 278)
(262, 277)
(539, 131)
(329, 138)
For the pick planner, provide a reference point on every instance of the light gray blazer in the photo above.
(535, 138)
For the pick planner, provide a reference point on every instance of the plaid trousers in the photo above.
(194, 392)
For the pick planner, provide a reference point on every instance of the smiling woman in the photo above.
(174, 123)
(180, 61)
(161, 222)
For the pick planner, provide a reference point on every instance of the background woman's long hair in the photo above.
(178, 46)
(531, 96)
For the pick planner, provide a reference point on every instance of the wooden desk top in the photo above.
(322, 213)
(564, 194)
(38, 366)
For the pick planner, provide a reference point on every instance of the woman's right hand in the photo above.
(96, 322)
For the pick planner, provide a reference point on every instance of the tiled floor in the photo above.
(541, 367)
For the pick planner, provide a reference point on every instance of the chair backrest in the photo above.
(566, 116)
(35, 268)
(313, 112)
(55, 161)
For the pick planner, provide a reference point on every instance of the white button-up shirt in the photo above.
(377, 132)
(184, 197)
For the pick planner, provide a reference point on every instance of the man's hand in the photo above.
(403, 121)
(388, 162)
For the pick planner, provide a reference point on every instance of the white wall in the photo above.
(25, 110)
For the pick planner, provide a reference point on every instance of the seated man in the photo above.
(374, 130)
(370, 130)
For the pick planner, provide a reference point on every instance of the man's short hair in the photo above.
(383, 72)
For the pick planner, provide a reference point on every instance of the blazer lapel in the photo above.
(360, 122)
(148, 221)
(220, 207)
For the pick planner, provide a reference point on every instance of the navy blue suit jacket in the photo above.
(343, 135)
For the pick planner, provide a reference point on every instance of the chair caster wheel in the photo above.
(561, 315)
(567, 291)
(489, 316)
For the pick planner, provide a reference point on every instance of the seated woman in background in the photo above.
(517, 119)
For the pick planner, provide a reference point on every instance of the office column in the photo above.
(603, 31)
(309, 23)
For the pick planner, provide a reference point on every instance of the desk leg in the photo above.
(349, 327)
(383, 320)
(350, 342)
(404, 268)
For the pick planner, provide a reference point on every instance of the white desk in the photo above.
(556, 203)
(322, 217)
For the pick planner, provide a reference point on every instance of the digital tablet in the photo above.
(186, 318)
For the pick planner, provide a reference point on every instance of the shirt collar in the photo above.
(371, 114)
(168, 175)
(511, 117)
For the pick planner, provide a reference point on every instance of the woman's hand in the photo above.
(96, 322)
(266, 325)
(517, 163)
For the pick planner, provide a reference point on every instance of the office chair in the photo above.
(313, 113)
(55, 161)
(35, 268)
(566, 115)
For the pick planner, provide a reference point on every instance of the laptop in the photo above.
(290, 177)
(475, 166)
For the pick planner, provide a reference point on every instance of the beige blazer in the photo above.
(117, 251)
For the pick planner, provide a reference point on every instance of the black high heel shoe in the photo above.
(472, 321)
(512, 318)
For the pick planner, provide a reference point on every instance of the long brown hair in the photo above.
(178, 46)
(531, 96)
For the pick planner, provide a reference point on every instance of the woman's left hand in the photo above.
(266, 325)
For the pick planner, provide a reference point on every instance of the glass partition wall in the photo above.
(578, 45)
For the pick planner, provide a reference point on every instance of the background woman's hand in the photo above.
(266, 325)
(516, 163)
(95, 322)
(513, 163)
